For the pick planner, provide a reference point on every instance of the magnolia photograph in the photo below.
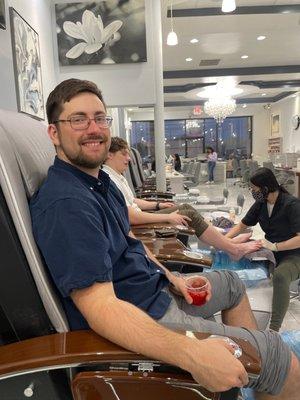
(2, 15)
(101, 32)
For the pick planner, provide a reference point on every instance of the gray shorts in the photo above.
(227, 292)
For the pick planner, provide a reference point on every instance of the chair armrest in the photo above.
(171, 250)
(155, 194)
(182, 230)
(70, 349)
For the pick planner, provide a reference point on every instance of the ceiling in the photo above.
(272, 69)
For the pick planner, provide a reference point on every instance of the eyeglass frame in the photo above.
(88, 120)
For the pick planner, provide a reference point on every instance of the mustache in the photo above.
(93, 137)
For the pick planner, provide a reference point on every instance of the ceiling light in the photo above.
(228, 6)
(262, 37)
(219, 108)
(194, 40)
(264, 94)
(188, 59)
(172, 39)
(245, 56)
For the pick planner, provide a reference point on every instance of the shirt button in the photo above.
(91, 187)
(99, 183)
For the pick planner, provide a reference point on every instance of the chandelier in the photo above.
(219, 108)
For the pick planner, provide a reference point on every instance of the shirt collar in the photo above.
(100, 184)
(112, 172)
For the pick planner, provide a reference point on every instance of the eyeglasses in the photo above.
(80, 122)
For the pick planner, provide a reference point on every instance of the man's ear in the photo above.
(53, 134)
(109, 155)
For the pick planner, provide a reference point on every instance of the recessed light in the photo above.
(244, 105)
(264, 94)
(261, 37)
(188, 59)
(194, 40)
(245, 56)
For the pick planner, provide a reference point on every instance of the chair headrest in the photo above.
(33, 149)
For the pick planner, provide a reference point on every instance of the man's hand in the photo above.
(178, 287)
(214, 366)
(269, 245)
(177, 219)
(166, 204)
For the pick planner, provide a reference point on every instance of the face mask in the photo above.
(260, 195)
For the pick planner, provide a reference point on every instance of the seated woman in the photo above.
(177, 162)
(278, 214)
(117, 162)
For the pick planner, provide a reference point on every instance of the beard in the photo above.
(80, 159)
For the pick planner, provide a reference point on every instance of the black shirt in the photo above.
(282, 225)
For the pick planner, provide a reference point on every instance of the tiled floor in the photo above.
(261, 297)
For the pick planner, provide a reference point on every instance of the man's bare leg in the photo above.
(241, 315)
(291, 389)
(235, 250)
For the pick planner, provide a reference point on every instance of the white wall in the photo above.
(38, 14)
(121, 84)
(261, 123)
(286, 109)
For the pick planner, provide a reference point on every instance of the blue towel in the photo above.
(292, 338)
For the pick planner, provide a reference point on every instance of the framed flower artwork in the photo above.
(27, 66)
(2, 15)
(275, 125)
(101, 32)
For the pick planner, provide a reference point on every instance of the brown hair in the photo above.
(117, 144)
(64, 92)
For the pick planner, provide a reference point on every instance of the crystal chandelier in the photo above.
(219, 108)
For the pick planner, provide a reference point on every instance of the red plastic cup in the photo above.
(197, 287)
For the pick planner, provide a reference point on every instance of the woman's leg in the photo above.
(287, 271)
(210, 174)
(212, 171)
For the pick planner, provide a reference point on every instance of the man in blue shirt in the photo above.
(109, 282)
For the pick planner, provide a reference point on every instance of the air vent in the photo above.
(208, 63)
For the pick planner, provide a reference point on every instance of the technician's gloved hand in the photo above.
(269, 245)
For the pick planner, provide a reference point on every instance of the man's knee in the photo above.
(229, 286)
(187, 207)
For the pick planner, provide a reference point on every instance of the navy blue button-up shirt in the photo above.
(81, 226)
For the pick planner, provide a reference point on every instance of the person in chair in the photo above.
(116, 164)
(110, 283)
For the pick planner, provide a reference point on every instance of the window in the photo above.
(175, 137)
(235, 136)
(189, 137)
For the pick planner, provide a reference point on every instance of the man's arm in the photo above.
(147, 205)
(141, 217)
(177, 281)
(210, 361)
